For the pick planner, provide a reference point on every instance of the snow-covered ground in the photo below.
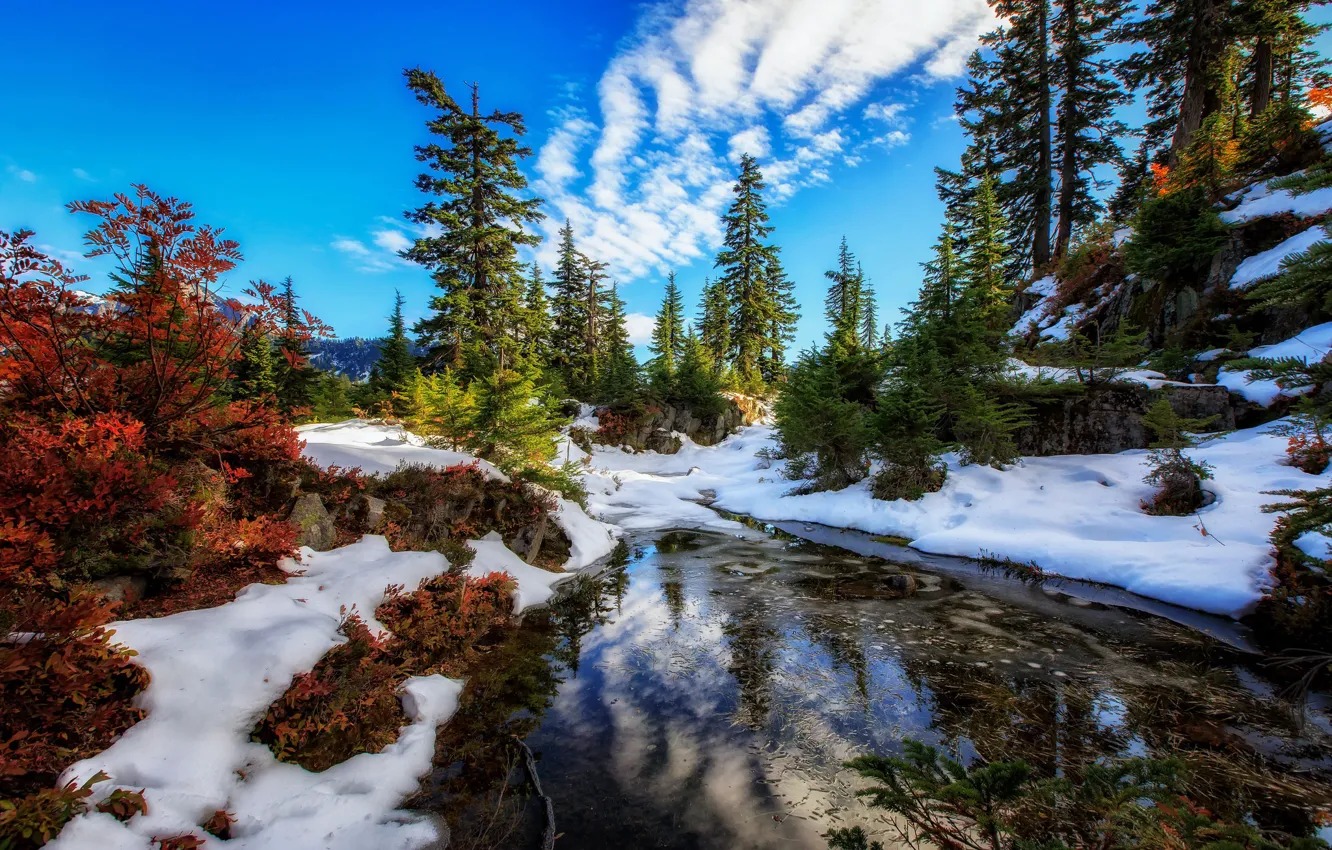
(1261, 201)
(215, 672)
(1310, 345)
(1268, 263)
(1077, 516)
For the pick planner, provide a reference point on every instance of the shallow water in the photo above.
(704, 692)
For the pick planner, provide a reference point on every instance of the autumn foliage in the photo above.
(123, 453)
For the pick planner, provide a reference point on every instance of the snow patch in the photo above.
(1268, 263)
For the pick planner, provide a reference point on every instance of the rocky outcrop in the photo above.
(656, 429)
(314, 523)
(1110, 419)
(126, 589)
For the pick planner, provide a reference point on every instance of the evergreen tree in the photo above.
(569, 313)
(509, 428)
(619, 376)
(785, 314)
(695, 384)
(481, 220)
(1088, 129)
(869, 312)
(332, 398)
(988, 292)
(1006, 108)
(392, 374)
(594, 308)
(668, 332)
(843, 302)
(254, 376)
(714, 324)
(537, 323)
(744, 263)
(941, 290)
(450, 410)
(1135, 185)
(294, 377)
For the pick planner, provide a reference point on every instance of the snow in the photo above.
(1315, 544)
(1046, 288)
(1259, 202)
(215, 672)
(1211, 354)
(1061, 374)
(587, 418)
(378, 448)
(1310, 345)
(1268, 263)
(1077, 516)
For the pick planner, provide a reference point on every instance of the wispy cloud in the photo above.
(22, 174)
(363, 258)
(385, 242)
(697, 85)
(84, 175)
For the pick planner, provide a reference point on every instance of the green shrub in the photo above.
(1175, 236)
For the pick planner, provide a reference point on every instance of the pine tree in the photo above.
(668, 332)
(1135, 185)
(450, 410)
(869, 312)
(785, 314)
(295, 378)
(714, 324)
(482, 222)
(1088, 129)
(941, 289)
(569, 313)
(619, 376)
(843, 302)
(393, 372)
(537, 323)
(1006, 108)
(987, 291)
(744, 265)
(254, 375)
(510, 430)
(695, 384)
(594, 307)
(332, 398)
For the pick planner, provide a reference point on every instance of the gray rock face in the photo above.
(1109, 420)
(126, 589)
(654, 432)
(367, 510)
(314, 522)
(526, 544)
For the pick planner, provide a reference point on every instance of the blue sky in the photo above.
(288, 124)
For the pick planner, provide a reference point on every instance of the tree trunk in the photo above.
(1199, 99)
(1068, 165)
(1040, 248)
(1262, 78)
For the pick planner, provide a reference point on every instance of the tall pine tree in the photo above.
(714, 324)
(481, 219)
(393, 372)
(744, 261)
(668, 332)
(569, 313)
(785, 314)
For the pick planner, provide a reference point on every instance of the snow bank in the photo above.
(1310, 345)
(1076, 516)
(1268, 263)
(1259, 201)
(1064, 375)
(214, 674)
(379, 449)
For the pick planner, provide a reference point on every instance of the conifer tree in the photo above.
(668, 332)
(294, 377)
(393, 372)
(255, 373)
(619, 377)
(714, 324)
(450, 409)
(844, 300)
(537, 323)
(332, 398)
(1006, 109)
(1087, 127)
(869, 312)
(785, 314)
(744, 262)
(695, 384)
(987, 290)
(510, 430)
(941, 289)
(588, 378)
(569, 312)
(482, 221)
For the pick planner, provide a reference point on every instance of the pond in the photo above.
(704, 691)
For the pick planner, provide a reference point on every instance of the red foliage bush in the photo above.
(614, 428)
(1309, 452)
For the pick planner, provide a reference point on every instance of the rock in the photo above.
(126, 589)
(314, 523)
(367, 510)
(526, 544)
(1203, 402)
(662, 442)
(1102, 421)
(903, 583)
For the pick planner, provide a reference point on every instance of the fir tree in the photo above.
(482, 222)
(714, 324)
(843, 302)
(537, 324)
(869, 312)
(744, 263)
(393, 372)
(695, 384)
(294, 377)
(1088, 129)
(594, 306)
(1135, 185)
(510, 429)
(619, 376)
(942, 287)
(332, 398)
(983, 266)
(255, 373)
(785, 314)
(569, 313)
(668, 332)
(450, 410)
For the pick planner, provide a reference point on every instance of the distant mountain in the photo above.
(353, 356)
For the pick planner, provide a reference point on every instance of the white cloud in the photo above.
(639, 328)
(83, 175)
(23, 174)
(700, 82)
(366, 260)
(392, 240)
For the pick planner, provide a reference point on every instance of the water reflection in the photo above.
(705, 691)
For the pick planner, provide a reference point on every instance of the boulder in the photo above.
(1203, 402)
(662, 441)
(126, 589)
(367, 510)
(314, 523)
(526, 543)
